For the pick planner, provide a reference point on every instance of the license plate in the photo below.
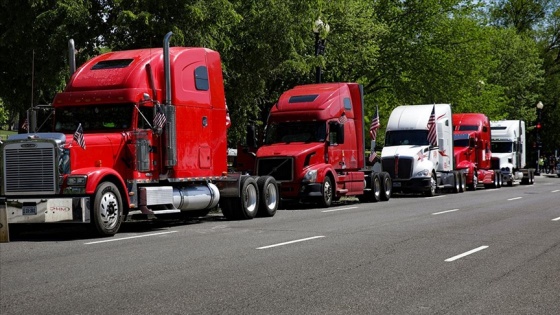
(396, 184)
(29, 210)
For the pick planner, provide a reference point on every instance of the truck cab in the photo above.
(509, 148)
(472, 149)
(314, 143)
(412, 162)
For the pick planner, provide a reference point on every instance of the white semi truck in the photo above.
(412, 162)
(509, 148)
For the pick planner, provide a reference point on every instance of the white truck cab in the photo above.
(509, 147)
(413, 164)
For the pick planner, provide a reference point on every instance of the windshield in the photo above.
(502, 147)
(406, 137)
(461, 142)
(94, 118)
(306, 131)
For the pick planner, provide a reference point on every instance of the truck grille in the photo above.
(30, 169)
(282, 169)
(403, 169)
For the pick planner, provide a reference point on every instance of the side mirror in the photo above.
(472, 143)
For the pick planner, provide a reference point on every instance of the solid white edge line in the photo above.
(128, 238)
(510, 199)
(291, 242)
(466, 253)
(557, 219)
(446, 211)
(340, 209)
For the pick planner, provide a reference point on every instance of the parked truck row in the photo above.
(142, 134)
(468, 150)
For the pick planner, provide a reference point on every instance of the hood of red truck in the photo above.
(289, 149)
(462, 158)
(101, 150)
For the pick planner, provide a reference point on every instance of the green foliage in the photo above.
(499, 57)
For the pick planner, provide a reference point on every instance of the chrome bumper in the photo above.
(64, 210)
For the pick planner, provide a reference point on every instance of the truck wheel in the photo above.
(247, 204)
(433, 185)
(107, 209)
(327, 193)
(474, 183)
(463, 179)
(268, 190)
(456, 183)
(498, 179)
(227, 208)
(386, 186)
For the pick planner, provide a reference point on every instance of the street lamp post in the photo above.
(540, 106)
(320, 43)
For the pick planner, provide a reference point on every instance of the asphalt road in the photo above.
(492, 251)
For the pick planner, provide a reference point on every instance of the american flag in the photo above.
(159, 117)
(432, 133)
(372, 155)
(25, 125)
(228, 119)
(343, 119)
(79, 136)
(420, 155)
(374, 125)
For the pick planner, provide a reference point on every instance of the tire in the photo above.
(327, 193)
(456, 183)
(247, 205)
(463, 178)
(433, 187)
(268, 195)
(373, 194)
(472, 186)
(226, 205)
(386, 187)
(107, 207)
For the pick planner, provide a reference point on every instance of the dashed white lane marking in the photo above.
(339, 209)
(128, 238)
(440, 196)
(446, 211)
(510, 199)
(557, 190)
(291, 242)
(557, 219)
(466, 253)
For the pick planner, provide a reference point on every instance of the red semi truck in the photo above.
(473, 155)
(136, 134)
(314, 146)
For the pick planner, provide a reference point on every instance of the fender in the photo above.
(98, 174)
(323, 170)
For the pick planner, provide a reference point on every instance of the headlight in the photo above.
(310, 176)
(76, 180)
(505, 169)
(465, 171)
(424, 172)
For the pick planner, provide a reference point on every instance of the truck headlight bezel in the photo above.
(423, 173)
(310, 176)
(76, 180)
